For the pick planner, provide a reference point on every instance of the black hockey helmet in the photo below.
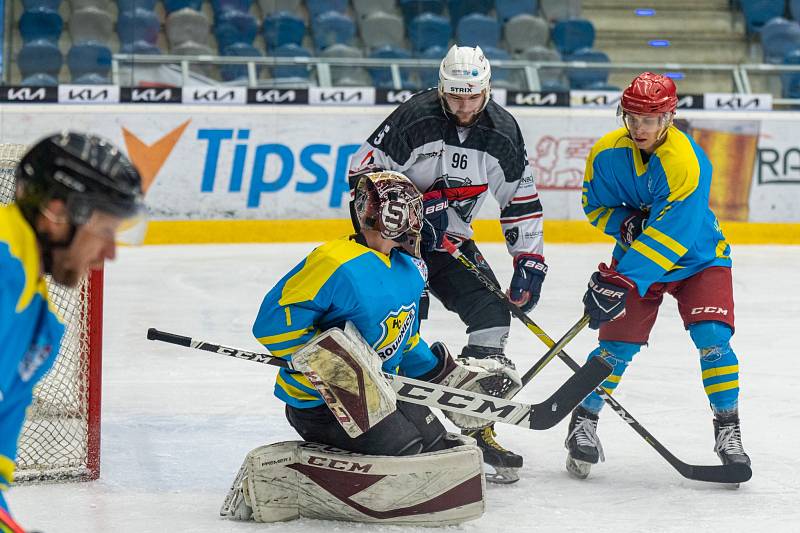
(87, 172)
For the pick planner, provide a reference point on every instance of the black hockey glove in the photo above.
(605, 298)
(632, 227)
(434, 224)
(526, 284)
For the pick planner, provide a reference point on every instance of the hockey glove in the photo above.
(434, 224)
(605, 298)
(469, 374)
(526, 284)
(632, 227)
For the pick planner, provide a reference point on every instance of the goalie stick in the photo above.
(538, 416)
(730, 473)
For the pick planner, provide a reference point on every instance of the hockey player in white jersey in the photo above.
(457, 145)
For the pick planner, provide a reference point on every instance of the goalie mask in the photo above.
(388, 202)
(464, 83)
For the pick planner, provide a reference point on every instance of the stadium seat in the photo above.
(461, 8)
(382, 29)
(794, 9)
(778, 37)
(759, 12)
(283, 28)
(331, 28)
(102, 5)
(269, 7)
(553, 10)
(140, 47)
(318, 7)
(171, 6)
(40, 24)
(382, 76)
(234, 27)
(191, 48)
(220, 6)
(290, 71)
(573, 34)
(347, 76)
(40, 79)
(91, 24)
(39, 57)
(413, 8)
(429, 77)
(542, 53)
(583, 78)
(365, 7)
(187, 25)
(478, 30)
(791, 80)
(508, 9)
(91, 78)
(553, 85)
(133, 5)
(524, 31)
(239, 72)
(429, 30)
(138, 25)
(90, 57)
(497, 54)
(30, 5)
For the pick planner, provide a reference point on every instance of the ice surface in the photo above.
(178, 422)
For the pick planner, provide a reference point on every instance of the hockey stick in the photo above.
(730, 473)
(538, 416)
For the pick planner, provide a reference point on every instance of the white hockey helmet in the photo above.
(464, 71)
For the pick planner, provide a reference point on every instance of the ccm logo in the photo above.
(717, 310)
(338, 464)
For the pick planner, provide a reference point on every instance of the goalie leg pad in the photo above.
(303, 479)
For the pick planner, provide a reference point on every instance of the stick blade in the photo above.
(730, 473)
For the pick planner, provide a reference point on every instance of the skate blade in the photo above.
(577, 468)
(501, 475)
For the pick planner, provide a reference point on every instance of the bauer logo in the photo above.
(150, 95)
(341, 96)
(88, 94)
(738, 102)
(277, 96)
(28, 94)
(206, 95)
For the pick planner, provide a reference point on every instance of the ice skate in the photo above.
(582, 443)
(504, 463)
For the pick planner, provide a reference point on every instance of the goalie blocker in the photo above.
(290, 480)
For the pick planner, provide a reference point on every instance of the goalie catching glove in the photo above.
(474, 375)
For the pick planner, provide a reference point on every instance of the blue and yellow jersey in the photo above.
(682, 235)
(340, 281)
(30, 330)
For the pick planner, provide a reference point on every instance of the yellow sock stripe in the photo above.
(607, 390)
(283, 337)
(720, 371)
(613, 378)
(719, 387)
(666, 240)
(652, 255)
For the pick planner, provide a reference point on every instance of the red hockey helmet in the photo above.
(650, 94)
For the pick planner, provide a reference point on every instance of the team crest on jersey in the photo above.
(462, 207)
(394, 329)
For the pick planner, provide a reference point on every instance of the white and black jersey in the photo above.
(419, 140)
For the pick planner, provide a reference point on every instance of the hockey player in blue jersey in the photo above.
(647, 185)
(72, 193)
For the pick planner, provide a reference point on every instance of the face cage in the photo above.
(664, 122)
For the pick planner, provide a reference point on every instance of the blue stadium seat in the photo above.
(478, 30)
(138, 25)
(177, 5)
(29, 5)
(39, 57)
(794, 9)
(238, 72)
(133, 5)
(332, 27)
(497, 54)
(220, 6)
(759, 12)
(91, 78)
(553, 85)
(791, 80)
(234, 27)
(573, 34)
(382, 76)
(414, 8)
(583, 78)
(429, 30)
(507, 9)
(140, 47)
(289, 71)
(40, 24)
(461, 8)
(429, 77)
(283, 28)
(89, 57)
(778, 37)
(40, 79)
(318, 7)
